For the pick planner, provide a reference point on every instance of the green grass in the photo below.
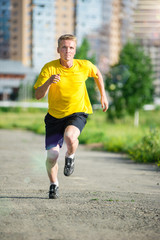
(117, 136)
(16, 118)
(123, 136)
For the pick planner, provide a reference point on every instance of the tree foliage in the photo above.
(130, 81)
(83, 53)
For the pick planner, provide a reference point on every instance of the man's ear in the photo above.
(57, 49)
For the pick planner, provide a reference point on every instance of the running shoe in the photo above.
(69, 166)
(53, 191)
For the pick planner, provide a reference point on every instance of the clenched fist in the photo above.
(54, 78)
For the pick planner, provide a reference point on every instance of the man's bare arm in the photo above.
(100, 84)
(41, 91)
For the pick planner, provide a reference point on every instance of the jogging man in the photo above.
(64, 81)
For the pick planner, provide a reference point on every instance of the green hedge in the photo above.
(147, 150)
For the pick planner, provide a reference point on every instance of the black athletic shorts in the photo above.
(55, 127)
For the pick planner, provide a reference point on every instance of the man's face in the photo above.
(67, 49)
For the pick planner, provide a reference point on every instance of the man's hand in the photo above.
(104, 103)
(41, 91)
(54, 78)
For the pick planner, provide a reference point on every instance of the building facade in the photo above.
(43, 32)
(88, 18)
(29, 29)
(20, 31)
(4, 28)
(64, 20)
(35, 26)
(147, 32)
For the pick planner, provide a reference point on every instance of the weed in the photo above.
(94, 199)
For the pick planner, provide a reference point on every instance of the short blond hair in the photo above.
(67, 37)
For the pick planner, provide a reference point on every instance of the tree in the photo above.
(130, 82)
(83, 53)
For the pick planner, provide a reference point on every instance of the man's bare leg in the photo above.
(52, 170)
(71, 135)
(51, 164)
(71, 138)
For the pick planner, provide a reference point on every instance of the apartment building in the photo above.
(106, 41)
(35, 25)
(64, 19)
(88, 18)
(147, 32)
(127, 20)
(20, 31)
(113, 31)
(29, 29)
(4, 29)
(42, 32)
(117, 29)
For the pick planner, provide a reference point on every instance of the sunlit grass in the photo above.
(27, 120)
(117, 136)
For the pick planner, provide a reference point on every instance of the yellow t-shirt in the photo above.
(69, 95)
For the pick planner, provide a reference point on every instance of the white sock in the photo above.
(55, 183)
(70, 156)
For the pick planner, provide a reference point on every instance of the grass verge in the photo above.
(117, 136)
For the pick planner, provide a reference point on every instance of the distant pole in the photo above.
(136, 118)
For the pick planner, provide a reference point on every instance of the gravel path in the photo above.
(107, 198)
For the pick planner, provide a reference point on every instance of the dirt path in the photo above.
(107, 198)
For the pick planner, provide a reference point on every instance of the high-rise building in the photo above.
(20, 41)
(147, 32)
(106, 40)
(29, 29)
(43, 32)
(115, 32)
(117, 29)
(127, 20)
(93, 19)
(88, 18)
(4, 28)
(64, 19)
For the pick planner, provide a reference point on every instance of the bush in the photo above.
(130, 81)
(148, 149)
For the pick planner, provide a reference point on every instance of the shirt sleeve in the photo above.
(42, 78)
(92, 70)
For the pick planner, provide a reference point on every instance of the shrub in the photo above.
(130, 81)
(148, 149)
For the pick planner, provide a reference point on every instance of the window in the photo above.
(15, 13)
(15, 21)
(3, 12)
(14, 53)
(15, 5)
(14, 37)
(15, 29)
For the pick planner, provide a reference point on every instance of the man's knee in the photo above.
(70, 138)
(52, 155)
(71, 135)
